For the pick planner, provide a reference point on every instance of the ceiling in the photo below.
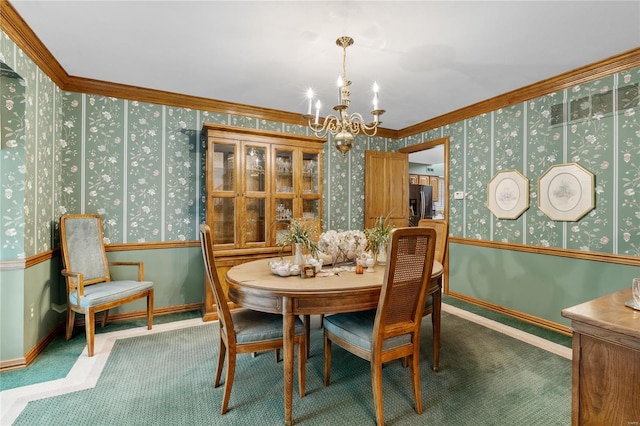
(428, 57)
(433, 155)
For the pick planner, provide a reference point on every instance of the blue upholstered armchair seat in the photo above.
(252, 326)
(357, 328)
(98, 294)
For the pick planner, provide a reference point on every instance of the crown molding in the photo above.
(18, 30)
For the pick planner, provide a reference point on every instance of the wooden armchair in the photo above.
(433, 304)
(245, 331)
(391, 331)
(86, 269)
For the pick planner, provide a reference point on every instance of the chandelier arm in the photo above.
(329, 124)
(358, 125)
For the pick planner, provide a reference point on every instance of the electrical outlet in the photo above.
(31, 311)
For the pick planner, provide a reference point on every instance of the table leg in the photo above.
(307, 332)
(435, 320)
(288, 334)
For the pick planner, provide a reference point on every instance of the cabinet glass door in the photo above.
(284, 214)
(254, 169)
(255, 206)
(224, 167)
(223, 194)
(284, 164)
(224, 217)
(310, 173)
(255, 225)
(310, 208)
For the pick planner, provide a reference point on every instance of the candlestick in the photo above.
(310, 97)
(375, 95)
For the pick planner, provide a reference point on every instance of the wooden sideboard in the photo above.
(606, 361)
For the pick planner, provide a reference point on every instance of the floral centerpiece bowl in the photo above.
(342, 247)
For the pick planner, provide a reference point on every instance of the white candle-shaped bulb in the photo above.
(310, 97)
(375, 95)
(317, 111)
(340, 84)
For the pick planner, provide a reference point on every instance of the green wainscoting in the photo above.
(44, 290)
(177, 273)
(11, 314)
(534, 284)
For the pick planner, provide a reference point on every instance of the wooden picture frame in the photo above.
(566, 192)
(508, 194)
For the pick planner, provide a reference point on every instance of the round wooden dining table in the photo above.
(253, 285)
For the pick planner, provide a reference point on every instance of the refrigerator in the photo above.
(420, 203)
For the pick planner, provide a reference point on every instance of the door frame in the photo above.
(430, 144)
(421, 147)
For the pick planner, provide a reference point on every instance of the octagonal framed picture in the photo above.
(566, 192)
(508, 194)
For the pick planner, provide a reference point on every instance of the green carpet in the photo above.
(58, 357)
(485, 378)
(552, 336)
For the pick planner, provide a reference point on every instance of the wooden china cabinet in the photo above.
(257, 181)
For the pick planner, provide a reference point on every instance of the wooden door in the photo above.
(386, 188)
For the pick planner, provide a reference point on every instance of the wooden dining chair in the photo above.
(392, 330)
(90, 288)
(433, 304)
(245, 331)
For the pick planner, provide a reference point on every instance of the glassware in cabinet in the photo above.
(284, 165)
(254, 165)
(310, 173)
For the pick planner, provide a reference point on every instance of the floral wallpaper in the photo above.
(507, 134)
(544, 149)
(344, 182)
(12, 166)
(141, 165)
(627, 161)
(594, 124)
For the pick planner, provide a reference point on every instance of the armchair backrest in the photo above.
(224, 313)
(83, 248)
(407, 277)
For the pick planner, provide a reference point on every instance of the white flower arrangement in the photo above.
(342, 246)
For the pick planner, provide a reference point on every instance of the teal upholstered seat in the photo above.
(252, 326)
(392, 330)
(245, 331)
(357, 329)
(86, 269)
(107, 292)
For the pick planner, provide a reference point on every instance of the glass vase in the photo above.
(381, 255)
(298, 259)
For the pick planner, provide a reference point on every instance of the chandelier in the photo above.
(342, 125)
